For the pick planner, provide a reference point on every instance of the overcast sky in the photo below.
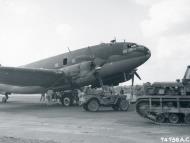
(35, 29)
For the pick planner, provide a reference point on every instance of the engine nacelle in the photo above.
(80, 74)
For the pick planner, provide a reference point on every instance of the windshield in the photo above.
(129, 48)
(133, 45)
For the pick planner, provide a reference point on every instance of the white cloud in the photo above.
(166, 16)
(63, 30)
(12, 7)
(8, 3)
(167, 32)
(146, 2)
(21, 10)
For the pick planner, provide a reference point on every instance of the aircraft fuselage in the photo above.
(111, 61)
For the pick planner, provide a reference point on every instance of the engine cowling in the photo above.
(80, 74)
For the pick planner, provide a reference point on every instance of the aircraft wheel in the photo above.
(123, 105)
(187, 119)
(93, 105)
(115, 107)
(160, 118)
(173, 118)
(66, 101)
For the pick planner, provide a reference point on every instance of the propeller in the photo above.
(96, 67)
(137, 75)
(97, 75)
(134, 73)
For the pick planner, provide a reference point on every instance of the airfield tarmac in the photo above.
(25, 120)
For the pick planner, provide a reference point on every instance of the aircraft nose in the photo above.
(147, 52)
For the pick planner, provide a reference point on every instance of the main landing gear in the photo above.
(69, 98)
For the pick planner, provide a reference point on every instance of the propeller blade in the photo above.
(137, 75)
(98, 78)
(132, 80)
(96, 67)
(134, 73)
(124, 76)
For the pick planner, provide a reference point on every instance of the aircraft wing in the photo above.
(30, 77)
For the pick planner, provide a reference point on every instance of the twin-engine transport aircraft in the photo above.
(106, 63)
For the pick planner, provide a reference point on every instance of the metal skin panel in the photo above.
(110, 60)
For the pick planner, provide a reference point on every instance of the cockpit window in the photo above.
(129, 48)
(132, 45)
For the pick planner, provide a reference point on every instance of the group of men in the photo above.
(50, 97)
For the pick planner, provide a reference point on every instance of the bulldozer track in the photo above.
(149, 113)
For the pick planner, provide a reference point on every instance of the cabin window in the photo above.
(64, 61)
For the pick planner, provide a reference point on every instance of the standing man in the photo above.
(49, 96)
(42, 99)
(122, 91)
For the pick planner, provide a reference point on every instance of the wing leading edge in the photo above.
(30, 77)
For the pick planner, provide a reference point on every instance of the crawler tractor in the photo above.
(166, 102)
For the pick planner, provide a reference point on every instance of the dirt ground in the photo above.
(25, 120)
